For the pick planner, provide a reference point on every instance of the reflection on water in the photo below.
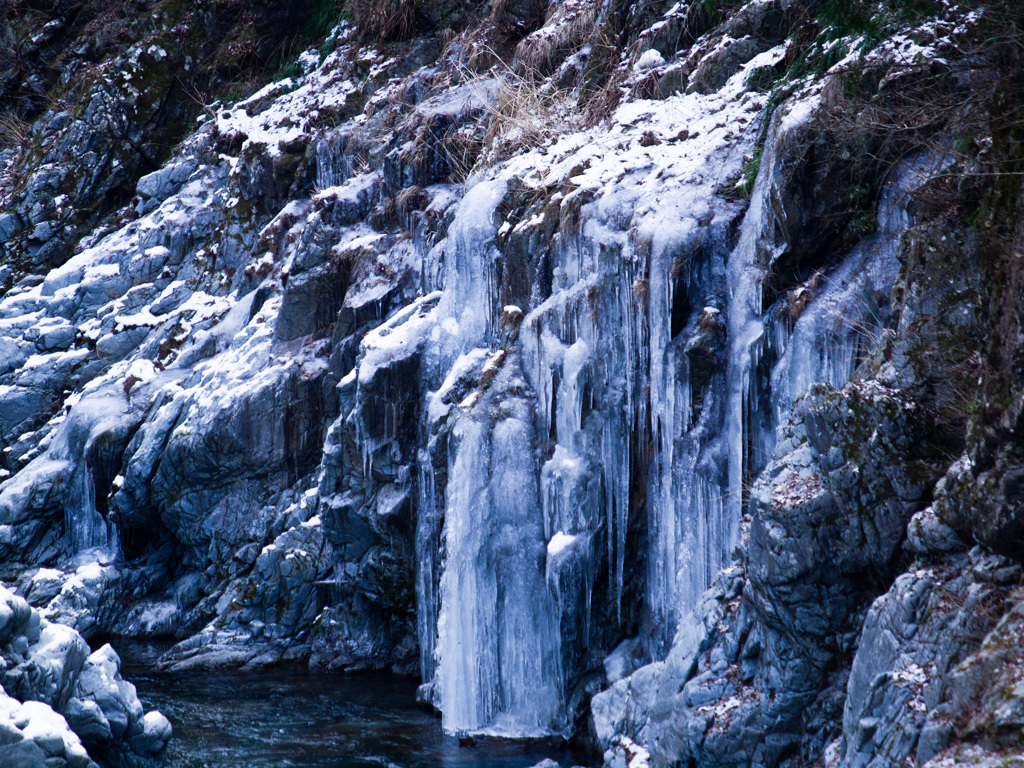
(290, 717)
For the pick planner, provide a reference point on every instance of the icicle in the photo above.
(427, 552)
(87, 531)
(575, 368)
(746, 328)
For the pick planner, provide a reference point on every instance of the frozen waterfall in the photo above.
(495, 663)
(498, 661)
(84, 444)
(601, 447)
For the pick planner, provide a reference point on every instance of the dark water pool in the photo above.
(291, 718)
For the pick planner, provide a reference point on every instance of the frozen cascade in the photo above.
(690, 534)
(86, 527)
(746, 328)
(581, 348)
(497, 655)
(577, 360)
(469, 302)
(428, 534)
(819, 332)
(333, 165)
(79, 443)
(625, 404)
(662, 494)
(847, 307)
(568, 495)
(498, 664)
(431, 513)
(830, 337)
(822, 343)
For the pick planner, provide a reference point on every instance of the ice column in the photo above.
(498, 655)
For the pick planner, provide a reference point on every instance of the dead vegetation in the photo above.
(526, 113)
(385, 20)
(568, 25)
(519, 113)
(14, 131)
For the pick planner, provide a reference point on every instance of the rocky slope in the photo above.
(643, 373)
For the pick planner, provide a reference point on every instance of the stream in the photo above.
(291, 717)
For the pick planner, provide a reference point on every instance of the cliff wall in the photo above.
(641, 373)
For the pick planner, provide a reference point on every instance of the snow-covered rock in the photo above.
(59, 703)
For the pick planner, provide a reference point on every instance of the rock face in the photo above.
(644, 373)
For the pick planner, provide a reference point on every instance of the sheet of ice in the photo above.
(498, 653)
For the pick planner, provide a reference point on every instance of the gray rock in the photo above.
(714, 70)
(164, 182)
(11, 355)
(58, 337)
(312, 301)
(913, 637)
(57, 700)
(117, 346)
(86, 718)
(928, 534)
(623, 660)
(26, 754)
(156, 732)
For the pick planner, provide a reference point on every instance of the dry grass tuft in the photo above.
(14, 131)
(525, 114)
(568, 25)
(641, 289)
(385, 20)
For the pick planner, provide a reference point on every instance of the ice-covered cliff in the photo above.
(638, 372)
